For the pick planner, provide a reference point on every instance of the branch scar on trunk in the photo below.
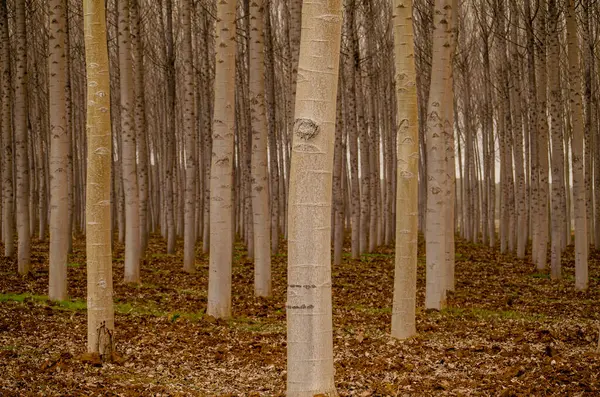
(306, 129)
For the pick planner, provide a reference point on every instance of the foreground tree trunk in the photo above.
(437, 123)
(309, 330)
(260, 177)
(405, 279)
(221, 174)
(22, 141)
(98, 233)
(60, 145)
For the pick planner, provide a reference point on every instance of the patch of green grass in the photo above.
(74, 305)
(74, 264)
(10, 297)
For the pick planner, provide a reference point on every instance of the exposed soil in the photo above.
(508, 331)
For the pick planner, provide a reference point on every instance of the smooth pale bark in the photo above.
(309, 312)
(437, 124)
(448, 109)
(221, 175)
(581, 239)
(140, 122)
(405, 278)
(260, 177)
(189, 234)
(21, 141)
(128, 150)
(8, 227)
(59, 151)
(97, 207)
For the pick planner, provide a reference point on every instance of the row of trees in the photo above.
(210, 121)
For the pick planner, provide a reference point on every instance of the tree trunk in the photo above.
(405, 279)
(542, 137)
(98, 238)
(581, 240)
(189, 234)
(21, 141)
(221, 181)
(140, 121)
(555, 104)
(169, 179)
(60, 146)
(350, 127)
(437, 123)
(260, 176)
(128, 149)
(8, 227)
(309, 317)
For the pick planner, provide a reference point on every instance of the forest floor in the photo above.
(508, 331)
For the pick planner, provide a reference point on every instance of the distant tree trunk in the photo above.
(521, 190)
(558, 211)
(221, 181)
(189, 236)
(448, 109)
(339, 156)
(270, 80)
(140, 121)
(350, 127)
(98, 237)
(581, 240)
(60, 146)
(542, 136)
(260, 176)
(8, 227)
(310, 335)
(533, 129)
(169, 178)
(405, 278)
(128, 150)
(21, 140)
